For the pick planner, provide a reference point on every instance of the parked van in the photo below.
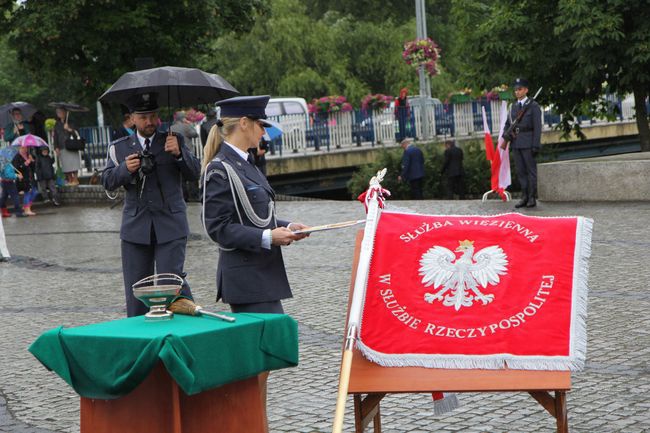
(283, 106)
(293, 115)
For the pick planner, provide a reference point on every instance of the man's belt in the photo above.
(519, 130)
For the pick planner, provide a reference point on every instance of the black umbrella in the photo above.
(69, 106)
(176, 87)
(5, 112)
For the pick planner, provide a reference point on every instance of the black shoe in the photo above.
(21, 215)
(4, 259)
(531, 202)
(56, 203)
(522, 202)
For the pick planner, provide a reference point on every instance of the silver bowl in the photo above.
(157, 292)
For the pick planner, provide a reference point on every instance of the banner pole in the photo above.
(373, 196)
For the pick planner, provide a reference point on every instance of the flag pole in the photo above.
(372, 200)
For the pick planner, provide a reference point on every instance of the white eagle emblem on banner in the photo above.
(460, 277)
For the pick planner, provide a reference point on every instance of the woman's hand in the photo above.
(298, 226)
(283, 236)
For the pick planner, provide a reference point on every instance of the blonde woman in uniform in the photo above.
(239, 212)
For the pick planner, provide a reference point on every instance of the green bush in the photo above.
(477, 171)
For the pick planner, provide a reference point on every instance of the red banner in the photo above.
(477, 292)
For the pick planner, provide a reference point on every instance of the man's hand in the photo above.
(132, 162)
(20, 126)
(283, 236)
(171, 145)
(399, 178)
(20, 175)
(504, 145)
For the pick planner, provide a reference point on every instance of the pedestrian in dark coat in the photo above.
(412, 168)
(210, 121)
(453, 170)
(239, 212)
(46, 175)
(149, 165)
(526, 142)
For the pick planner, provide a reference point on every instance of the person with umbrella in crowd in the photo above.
(8, 177)
(17, 126)
(69, 159)
(25, 163)
(149, 166)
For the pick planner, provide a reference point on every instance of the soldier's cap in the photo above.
(252, 107)
(520, 82)
(142, 103)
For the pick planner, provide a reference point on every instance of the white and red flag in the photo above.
(504, 154)
(477, 292)
(494, 156)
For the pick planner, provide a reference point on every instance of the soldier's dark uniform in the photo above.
(526, 145)
(154, 226)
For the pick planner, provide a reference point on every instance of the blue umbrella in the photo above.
(6, 156)
(273, 131)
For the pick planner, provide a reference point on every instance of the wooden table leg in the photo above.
(366, 410)
(377, 420)
(561, 412)
(176, 408)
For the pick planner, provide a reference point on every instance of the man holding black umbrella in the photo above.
(149, 165)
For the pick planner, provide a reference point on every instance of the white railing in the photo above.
(383, 123)
(340, 127)
(463, 118)
(294, 135)
(419, 127)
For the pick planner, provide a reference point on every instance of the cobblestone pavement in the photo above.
(65, 270)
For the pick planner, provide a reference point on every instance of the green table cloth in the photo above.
(109, 360)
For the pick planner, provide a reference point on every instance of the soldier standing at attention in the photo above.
(149, 165)
(526, 142)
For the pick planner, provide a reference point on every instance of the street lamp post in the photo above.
(425, 84)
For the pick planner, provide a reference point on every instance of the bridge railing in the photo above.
(303, 134)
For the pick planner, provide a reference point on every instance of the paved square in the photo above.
(66, 271)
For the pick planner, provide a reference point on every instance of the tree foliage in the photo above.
(290, 53)
(88, 44)
(576, 49)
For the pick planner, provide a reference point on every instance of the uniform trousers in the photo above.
(526, 171)
(455, 185)
(274, 307)
(416, 188)
(138, 262)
